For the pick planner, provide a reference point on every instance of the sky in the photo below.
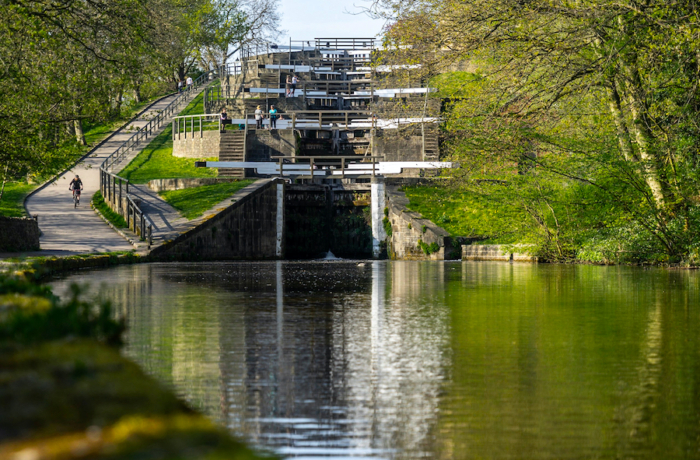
(308, 19)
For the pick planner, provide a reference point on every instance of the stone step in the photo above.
(232, 172)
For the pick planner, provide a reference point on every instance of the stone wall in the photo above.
(263, 144)
(517, 253)
(165, 185)
(412, 236)
(395, 146)
(206, 146)
(18, 234)
(248, 229)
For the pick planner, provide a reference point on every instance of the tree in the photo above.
(605, 92)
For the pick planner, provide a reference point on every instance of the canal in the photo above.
(423, 359)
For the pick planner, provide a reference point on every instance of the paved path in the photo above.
(66, 230)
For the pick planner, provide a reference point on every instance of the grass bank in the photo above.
(12, 203)
(156, 161)
(66, 392)
(193, 202)
(465, 214)
(115, 219)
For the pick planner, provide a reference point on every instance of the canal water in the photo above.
(441, 360)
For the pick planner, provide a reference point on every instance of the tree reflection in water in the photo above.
(416, 359)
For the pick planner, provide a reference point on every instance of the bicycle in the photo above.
(76, 197)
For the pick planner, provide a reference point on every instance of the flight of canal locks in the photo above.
(271, 260)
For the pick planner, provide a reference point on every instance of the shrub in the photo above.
(387, 227)
(32, 314)
(428, 249)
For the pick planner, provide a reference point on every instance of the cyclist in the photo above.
(76, 185)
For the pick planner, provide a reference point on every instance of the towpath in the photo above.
(66, 230)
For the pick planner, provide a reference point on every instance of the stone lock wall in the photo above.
(19, 234)
(409, 230)
(503, 253)
(395, 146)
(263, 144)
(206, 146)
(249, 229)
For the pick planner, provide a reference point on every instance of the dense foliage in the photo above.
(577, 119)
(68, 63)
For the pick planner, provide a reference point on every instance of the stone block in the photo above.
(497, 252)
(485, 252)
(196, 146)
(412, 235)
(19, 234)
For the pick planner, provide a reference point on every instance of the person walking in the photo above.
(258, 118)
(295, 80)
(224, 119)
(179, 86)
(273, 117)
(190, 83)
(288, 86)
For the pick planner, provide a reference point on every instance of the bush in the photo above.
(428, 249)
(32, 314)
(387, 227)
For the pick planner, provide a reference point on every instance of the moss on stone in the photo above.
(70, 399)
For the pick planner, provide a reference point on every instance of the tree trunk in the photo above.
(116, 109)
(644, 140)
(4, 179)
(70, 129)
(137, 94)
(642, 134)
(623, 134)
(79, 134)
(639, 128)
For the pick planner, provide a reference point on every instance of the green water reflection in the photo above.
(413, 359)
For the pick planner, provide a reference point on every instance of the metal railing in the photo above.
(324, 119)
(115, 192)
(189, 126)
(316, 163)
(145, 132)
(350, 44)
(193, 126)
(138, 221)
(345, 43)
(115, 189)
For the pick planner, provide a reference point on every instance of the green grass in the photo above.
(195, 107)
(94, 133)
(193, 202)
(463, 213)
(455, 84)
(12, 203)
(156, 161)
(100, 204)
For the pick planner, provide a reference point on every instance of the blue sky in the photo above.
(307, 19)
